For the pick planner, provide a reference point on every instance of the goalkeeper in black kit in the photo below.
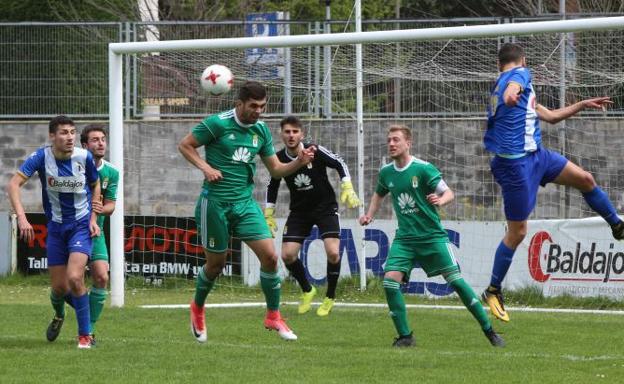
(312, 202)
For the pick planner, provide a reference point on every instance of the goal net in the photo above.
(435, 81)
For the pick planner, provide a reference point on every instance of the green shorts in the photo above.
(218, 220)
(99, 250)
(433, 258)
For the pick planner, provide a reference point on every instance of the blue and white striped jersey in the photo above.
(513, 130)
(65, 184)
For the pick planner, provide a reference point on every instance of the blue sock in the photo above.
(502, 261)
(600, 203)
(83, 314)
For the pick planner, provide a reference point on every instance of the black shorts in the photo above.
(299, 225)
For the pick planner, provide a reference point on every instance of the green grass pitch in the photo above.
(137, 345)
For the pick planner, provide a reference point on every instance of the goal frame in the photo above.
(116, 116)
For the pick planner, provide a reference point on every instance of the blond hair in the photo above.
(407, 133)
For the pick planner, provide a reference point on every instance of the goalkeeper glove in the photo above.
(270, 220)
(348, 195)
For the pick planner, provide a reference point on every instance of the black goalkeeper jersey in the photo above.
(309, 186)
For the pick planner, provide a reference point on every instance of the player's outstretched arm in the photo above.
(556, 115)
(13, 190)
(278, 170)
(372, 209)
(188, 148)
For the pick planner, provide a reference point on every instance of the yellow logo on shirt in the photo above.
(255, 140)
(414, 181)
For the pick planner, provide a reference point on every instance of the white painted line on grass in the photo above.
(383, 305)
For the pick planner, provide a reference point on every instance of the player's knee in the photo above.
(60, 289)
(333, 257)
(514, 236)
(215, 268)
(394, 275)
(269, 262)
(288, 257)
(100, 280)
(76, 281)
(587, 182)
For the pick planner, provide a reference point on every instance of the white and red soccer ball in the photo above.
(217, 79)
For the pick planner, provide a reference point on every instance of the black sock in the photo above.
(298, 272)
(333, 272)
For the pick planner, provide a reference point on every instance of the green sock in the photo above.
(271, 286)
(97, 298)
(203, 286)
(470, 299)
(397, 306)
(58, 303)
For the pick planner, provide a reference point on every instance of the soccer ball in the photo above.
(217, 79)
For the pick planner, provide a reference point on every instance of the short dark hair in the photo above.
(252, 90)
(59, 120)
(510, 53)
(291, 120)
(84, 135)
(407, 133)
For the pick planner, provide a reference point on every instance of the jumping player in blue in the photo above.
(70, 192)
(521, 164)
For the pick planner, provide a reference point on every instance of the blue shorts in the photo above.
(520, 179)
(66, 238)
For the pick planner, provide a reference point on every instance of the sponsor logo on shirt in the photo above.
(303, 182)
(241, 155)
(66, 184)
(407, 204)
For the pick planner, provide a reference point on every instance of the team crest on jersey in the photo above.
(105, 183)
(285, 229)
(80, 168)
(414, 181)
(254, 140)
(211, 242)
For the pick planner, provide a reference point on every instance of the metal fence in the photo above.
(52, 68)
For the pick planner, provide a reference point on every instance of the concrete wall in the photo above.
(160, 182)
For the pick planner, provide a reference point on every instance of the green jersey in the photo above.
(409, 187)
(109, 178)
(231, 148)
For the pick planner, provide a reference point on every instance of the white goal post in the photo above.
(117, 50)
